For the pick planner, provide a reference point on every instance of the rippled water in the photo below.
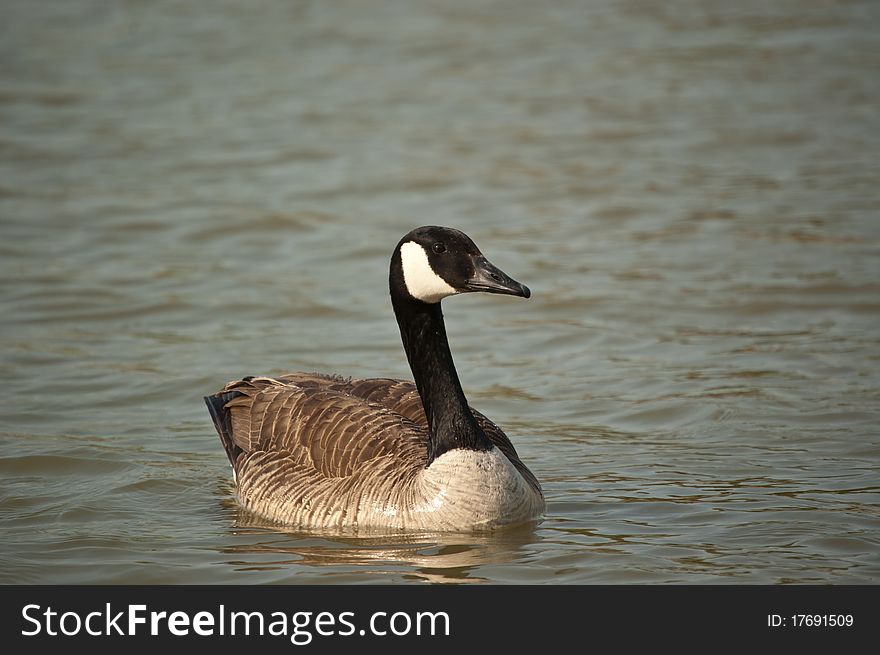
(189, 195)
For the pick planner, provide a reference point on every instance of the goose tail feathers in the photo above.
(223, 422)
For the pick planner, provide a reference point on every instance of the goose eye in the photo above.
(438, 248)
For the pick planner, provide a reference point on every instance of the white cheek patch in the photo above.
(420, 279)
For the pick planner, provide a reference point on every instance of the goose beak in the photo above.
(489, 278)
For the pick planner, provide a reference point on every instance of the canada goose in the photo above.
(320, 451)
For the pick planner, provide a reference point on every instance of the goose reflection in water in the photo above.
(439, 557)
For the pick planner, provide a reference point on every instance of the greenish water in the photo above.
(189, 196)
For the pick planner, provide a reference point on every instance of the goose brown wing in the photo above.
(317, 426)
(502, 443)
(401, 397)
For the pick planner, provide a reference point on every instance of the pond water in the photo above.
(691, 190)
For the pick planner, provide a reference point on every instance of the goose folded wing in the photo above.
(327, 430)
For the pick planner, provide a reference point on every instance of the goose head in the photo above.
(431, 263)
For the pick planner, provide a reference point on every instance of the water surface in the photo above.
(192, 195)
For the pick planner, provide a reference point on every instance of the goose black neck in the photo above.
(451, 423)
